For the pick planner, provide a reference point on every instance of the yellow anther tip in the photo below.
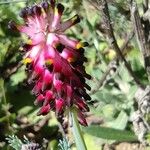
(27, 60)
(29, 42)
(79, 45)
(56, 11)
(49, 62)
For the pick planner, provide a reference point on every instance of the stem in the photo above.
(113, 42)
(4, 102)
(79, 140)
(3, 91)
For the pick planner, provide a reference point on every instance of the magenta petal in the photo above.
(38, 69)
(81, 119)
(67, 24)
(59, 105)
(56, 22)
(44, 110)
(69, 91)
(37, 88)
(48, 95)
(51, 39)
(39, 99)
(47, 79)
(58, 85)
(57, 63)
(66, 69)
(82, 105)
(49, 53)
(68, 42)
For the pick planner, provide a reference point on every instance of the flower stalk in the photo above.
(79, 140)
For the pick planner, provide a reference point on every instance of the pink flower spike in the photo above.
(54, 62)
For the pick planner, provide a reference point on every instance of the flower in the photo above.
(54, 61)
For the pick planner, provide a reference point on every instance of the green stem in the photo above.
(4, 102)
(79, 140)
(3, 91)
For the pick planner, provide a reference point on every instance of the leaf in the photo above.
(18, 77)
(106, 97)
(120, 122)
(110, 133)
(108, 111)
(124, 74)
(95, 142)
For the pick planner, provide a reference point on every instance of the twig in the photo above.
(109, 68)
(112, 40)
(141, 35)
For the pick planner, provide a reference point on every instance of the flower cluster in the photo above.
(54, 61)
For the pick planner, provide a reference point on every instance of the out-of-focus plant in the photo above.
(17, 144)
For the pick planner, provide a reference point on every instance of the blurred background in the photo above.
(113, 89)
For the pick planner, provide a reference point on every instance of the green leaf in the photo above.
(95, 142)
(110, 133)
(124, 74)
(120, 122)
(18, 77)
(108, 111)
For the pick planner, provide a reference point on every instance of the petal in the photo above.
(44, 110)
(47, 79)
(82, 105)
(81, 119)
(39, 99)
(59, 105)
(69, 23)
(68, 42)
(37, 88)
(48, 95)
(58, 84)
(51, 39)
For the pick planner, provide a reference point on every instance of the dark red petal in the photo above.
(44, 110)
